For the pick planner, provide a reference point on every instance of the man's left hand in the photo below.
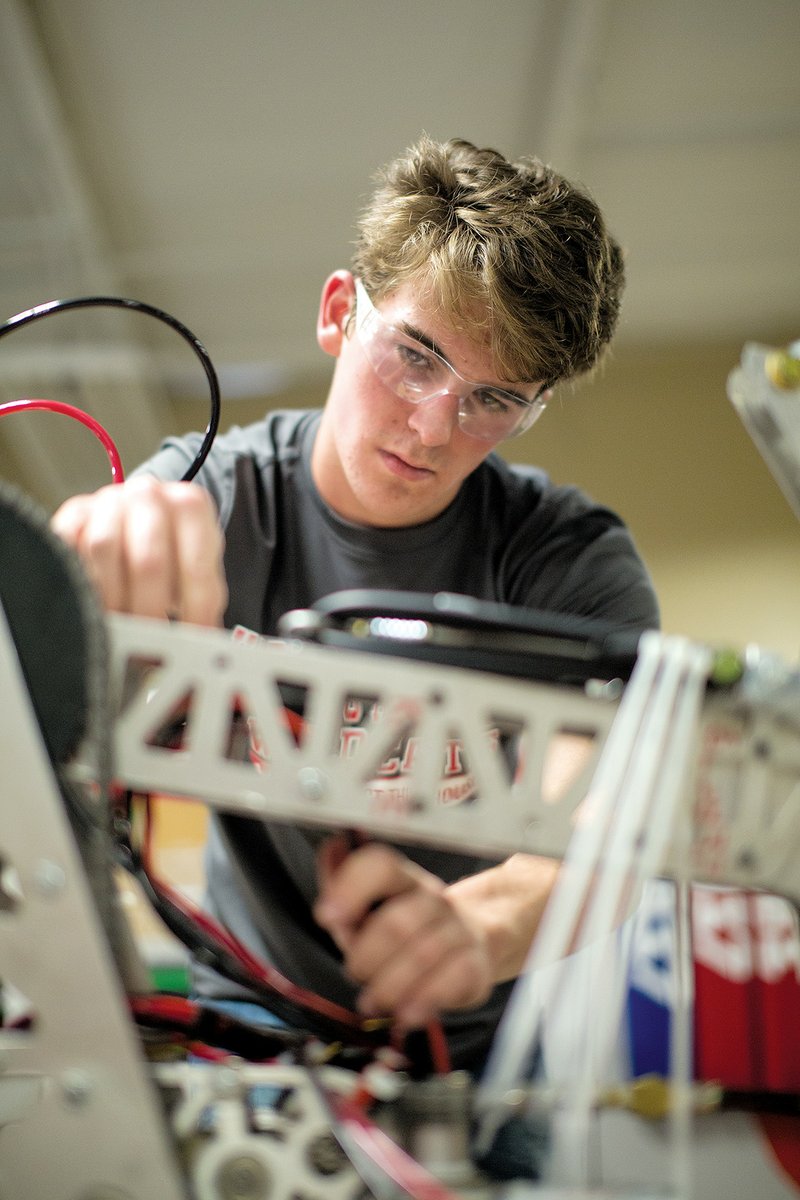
(403, 934)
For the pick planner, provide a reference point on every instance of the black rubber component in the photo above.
(54, 619)
(460, 631)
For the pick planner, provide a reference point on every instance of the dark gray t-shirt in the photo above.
(510, 536)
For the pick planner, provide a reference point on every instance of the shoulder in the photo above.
(559, 549)
(243, 457)
(278, 436)
(529, 495)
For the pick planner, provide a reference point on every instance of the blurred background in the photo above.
(211, 158)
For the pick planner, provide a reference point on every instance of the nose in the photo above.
(434, 419)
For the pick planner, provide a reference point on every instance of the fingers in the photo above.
(146, 549)
(417, 958)
(152, 549)
(400, 934)
(92, 527)
(330, 856)
(353, 884)
(199, 543)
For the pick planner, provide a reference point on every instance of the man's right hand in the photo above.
(152, 549)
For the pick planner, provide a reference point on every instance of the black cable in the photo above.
(198, 1021)
(54, 306)
(206, 950)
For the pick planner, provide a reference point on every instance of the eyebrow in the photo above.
(418, 336)
(428, 342)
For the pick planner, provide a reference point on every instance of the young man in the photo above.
(477, 285)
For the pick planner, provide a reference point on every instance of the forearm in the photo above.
(506, 903)
(417, 946)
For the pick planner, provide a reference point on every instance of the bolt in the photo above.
(603, 689)
(515, 1100)
(227, 1083)
(243, 1177)
(49, 877)
(782, 369)
(313, 784)
(325, 1155)
(76, 1086)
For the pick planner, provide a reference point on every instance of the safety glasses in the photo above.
(417, 373)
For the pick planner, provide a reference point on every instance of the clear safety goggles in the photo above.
(417, 373)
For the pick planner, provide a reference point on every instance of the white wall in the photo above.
(656, 437)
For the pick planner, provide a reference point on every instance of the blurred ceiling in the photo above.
(210, 158)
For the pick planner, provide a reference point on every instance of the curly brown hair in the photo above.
(513, 245)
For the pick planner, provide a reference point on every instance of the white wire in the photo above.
(628, 821)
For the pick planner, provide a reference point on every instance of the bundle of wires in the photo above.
(210, 943)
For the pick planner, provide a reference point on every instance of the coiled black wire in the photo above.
(54, 306)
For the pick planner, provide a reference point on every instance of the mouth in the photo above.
(404, 469)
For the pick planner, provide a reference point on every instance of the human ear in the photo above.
(336, 304)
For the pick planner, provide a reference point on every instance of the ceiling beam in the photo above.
(53, 236)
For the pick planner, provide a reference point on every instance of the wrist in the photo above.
(504, 905)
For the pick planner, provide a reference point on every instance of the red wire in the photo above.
(175, 1009)
(440, 1051)
(259, 970)
(69, 410)
(386, 1154)
(209, 1053)
(181, 1016)
(263, 972)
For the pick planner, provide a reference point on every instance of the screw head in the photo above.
(49, 877)
(312, 783)
(76, 1086)
(243, 1177)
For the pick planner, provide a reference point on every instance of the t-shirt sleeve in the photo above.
(608, 580)
(176, 455)
(564, 553)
